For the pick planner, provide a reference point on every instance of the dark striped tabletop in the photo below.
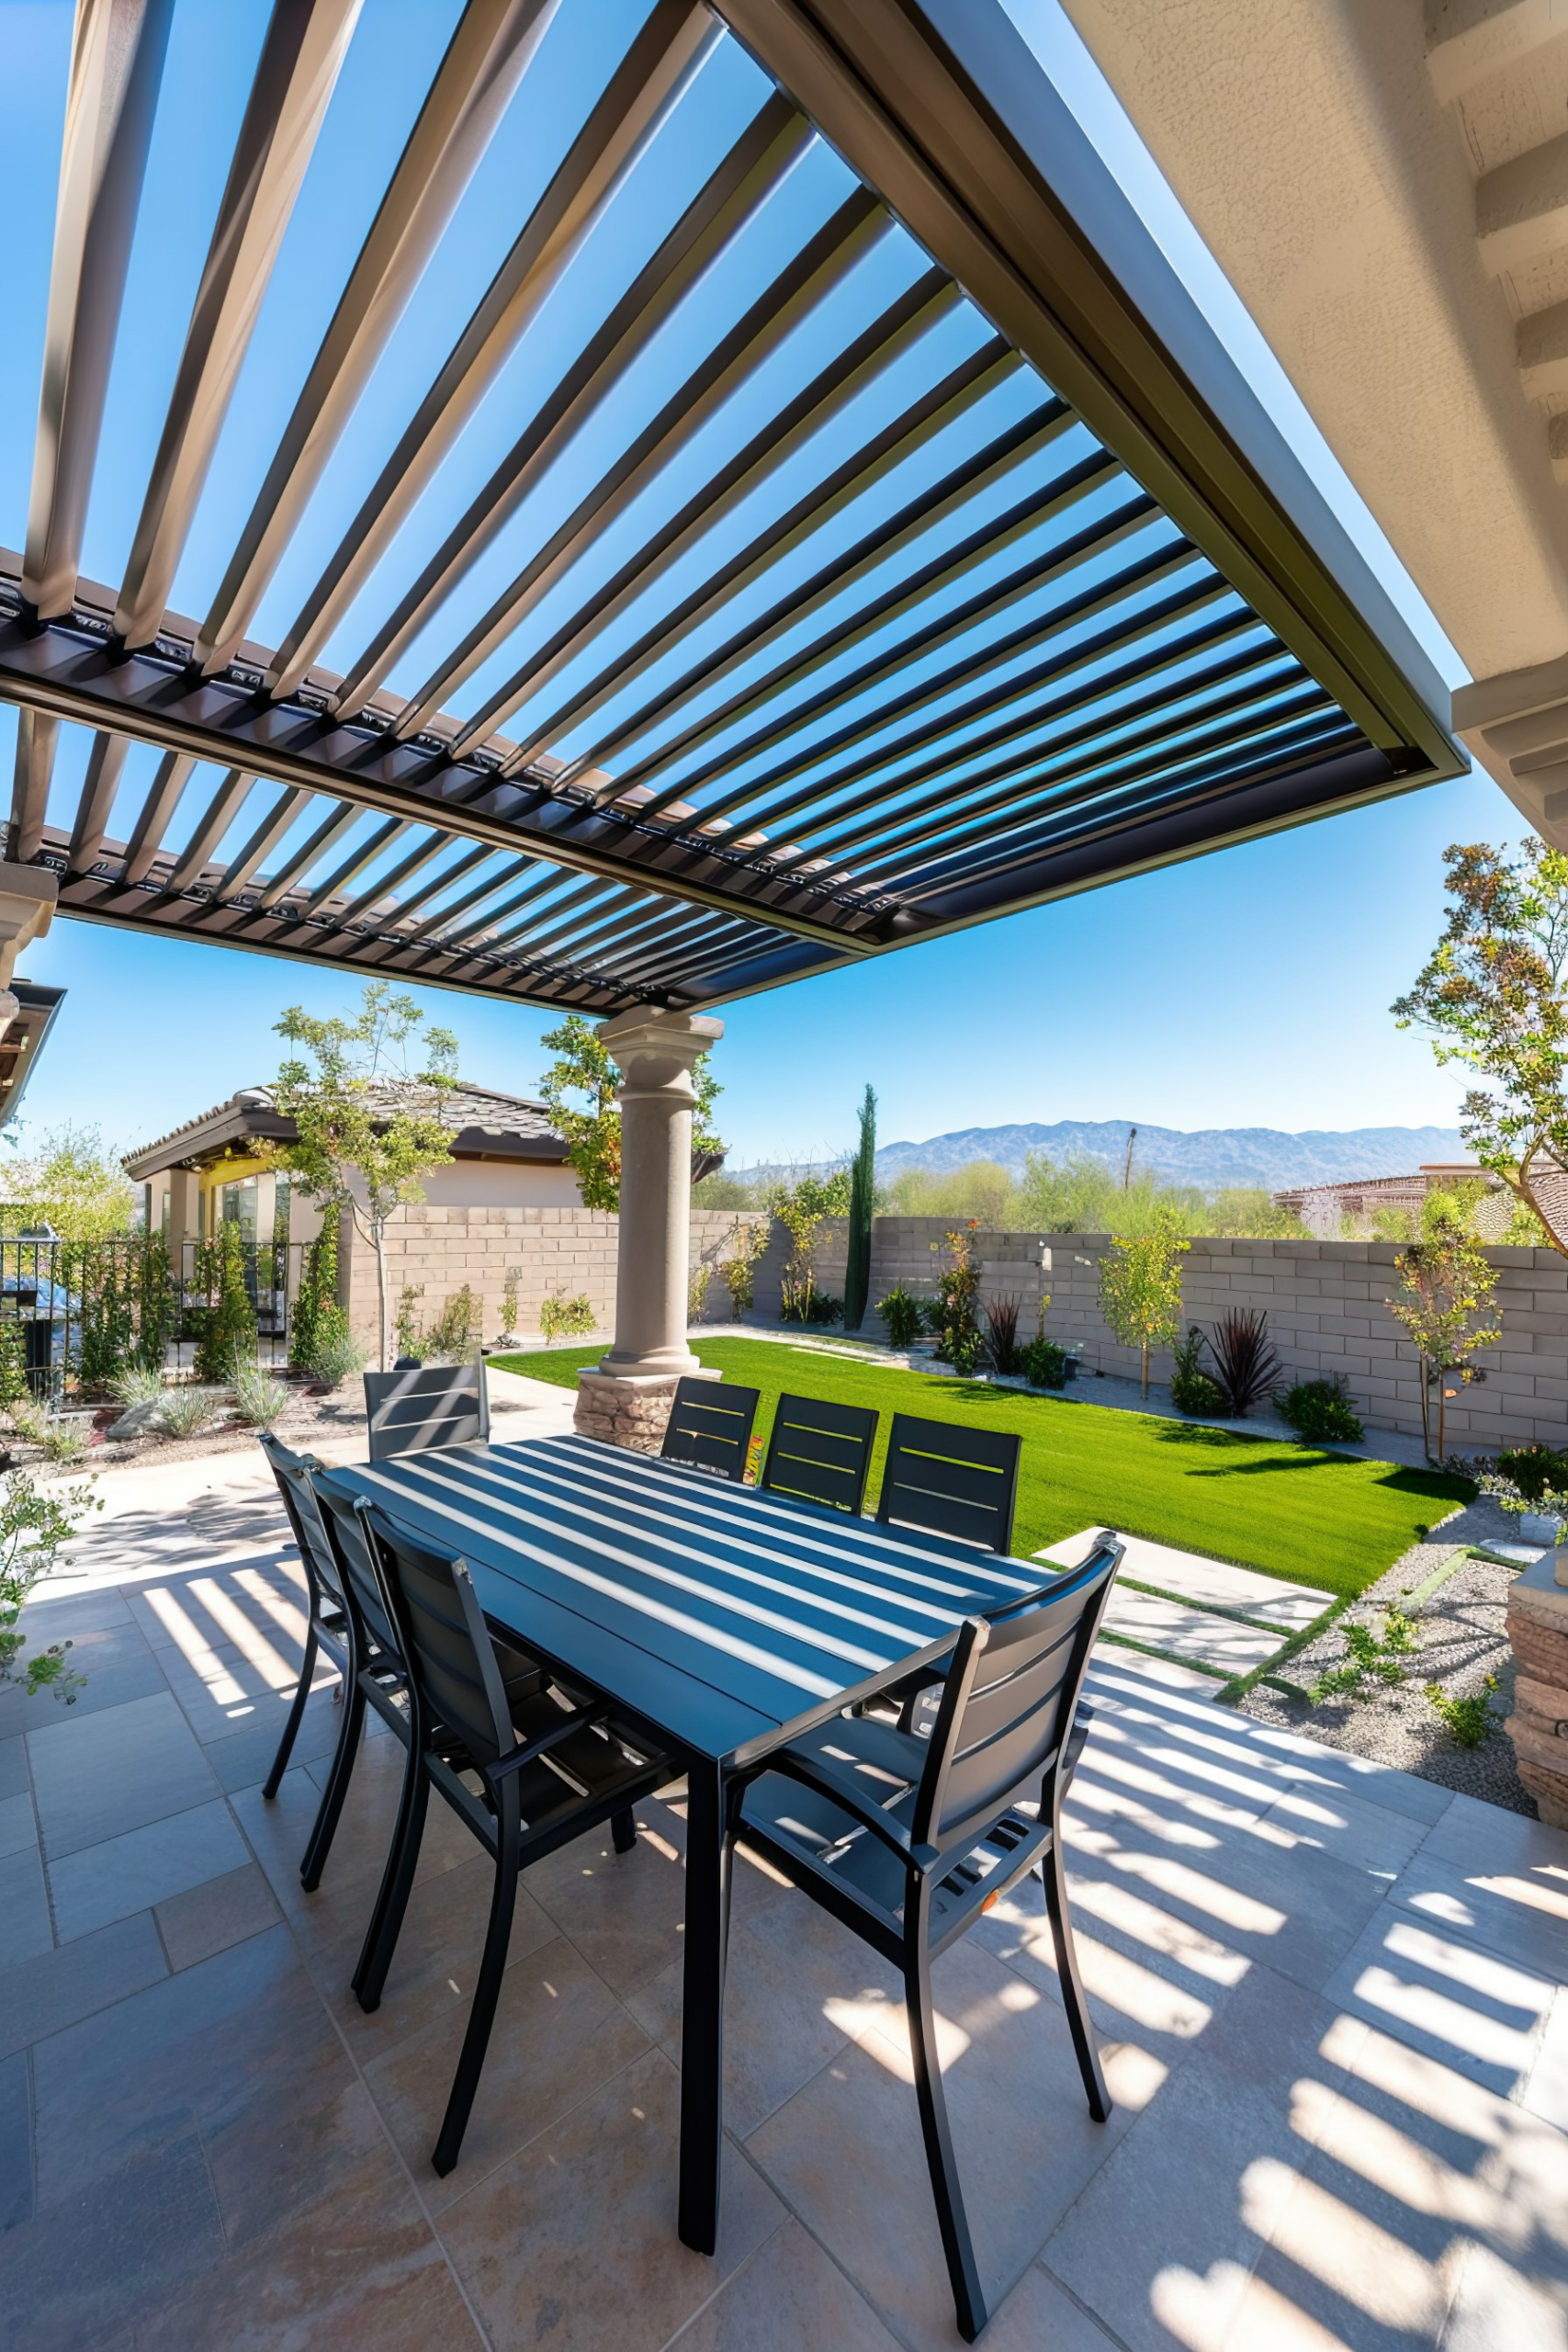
(719, 1614)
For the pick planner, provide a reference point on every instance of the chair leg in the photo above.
(396, 1882)
(320, 1842)
(1081, 2025)
(969, 2303)
(623, 1829)
(487, 1986)
(296, 1713)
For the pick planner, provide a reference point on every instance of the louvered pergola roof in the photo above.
(830, 525)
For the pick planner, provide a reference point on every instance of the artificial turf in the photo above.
(1326, 1520)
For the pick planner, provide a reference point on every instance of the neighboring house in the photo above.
(1323, 1208)
(21, 1040)
(505, 1155)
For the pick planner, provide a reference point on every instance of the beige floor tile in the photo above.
(846, 2152)
(559, 2033)
(573, 2244)
(1164, 2239)
(789, 2297)
(798, 1988)
(1484, 2017)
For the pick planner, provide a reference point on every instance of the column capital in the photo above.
(678, 1038)
(28, 896)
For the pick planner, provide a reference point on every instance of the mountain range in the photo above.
(1209, 1157)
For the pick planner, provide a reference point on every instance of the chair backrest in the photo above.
(357, 1571)
(447, 1645)
(302, 1506)
(1007, 1705)
(950, 1480)
(820, 1450)
(710, 1426)
(430, 1405)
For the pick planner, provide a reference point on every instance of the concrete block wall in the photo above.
(1327, 1304)
(567, 1252)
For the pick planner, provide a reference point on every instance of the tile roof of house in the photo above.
(476, 1114)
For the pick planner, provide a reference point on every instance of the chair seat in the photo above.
(806, 1827)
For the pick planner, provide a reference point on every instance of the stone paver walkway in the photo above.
(1178, 1611)
(1331, 1999)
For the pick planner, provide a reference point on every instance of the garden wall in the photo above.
(566, 1250)
(1326, 1306)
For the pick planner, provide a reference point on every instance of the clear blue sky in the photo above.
(1248, 988)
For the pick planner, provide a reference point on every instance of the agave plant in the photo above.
(1245, 1364)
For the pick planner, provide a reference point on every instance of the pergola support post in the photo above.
(626, 1399)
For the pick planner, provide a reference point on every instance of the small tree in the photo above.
(747, 1246)
(370, 1124)
(1446, 1304)
(73, 1182)
(862, 1201)
(579, 1092)
(803, 1208)
(958, 1340)
(1491, 996)
(1140, 1286)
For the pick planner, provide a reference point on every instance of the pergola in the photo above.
(871, 538)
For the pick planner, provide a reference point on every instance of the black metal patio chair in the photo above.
(326, 1626)
(907, 1840)
(426, 1405)
(710, 1426)
(820, 1451)
(548, 1770)
(945, 1478)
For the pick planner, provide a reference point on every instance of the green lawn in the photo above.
(1322, 1519)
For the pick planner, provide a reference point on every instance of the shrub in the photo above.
(1322, 1411)
(1191, 1390)
(139, 1386)
(227, 1323)
(561, 1318)
(317, 1323)
(13, 1363)
(454, 1336)
(901, 1314)
(1470, 1721)
(336, 1355)
(1246, 1363)
(1002, 1334)
(957, 1329)
(259, 1397)
(697, 1282)
(823, 1307)
(33, 1527)
(61, 1440)
(1535, 1471)
(408, 1327)
(509, 1304)
(747, 1245)
(188, 1409)
(1045, 1365)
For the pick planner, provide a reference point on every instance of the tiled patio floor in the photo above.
(1331, 1996)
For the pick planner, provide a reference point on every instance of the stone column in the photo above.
(626, 1400)
(1538, 1632)
(27, 908)
(183, 1190)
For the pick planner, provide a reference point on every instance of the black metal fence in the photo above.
(75, 1313)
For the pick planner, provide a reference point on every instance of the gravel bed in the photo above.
(1462, 1640)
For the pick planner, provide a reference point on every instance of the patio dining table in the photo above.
(727, 1620)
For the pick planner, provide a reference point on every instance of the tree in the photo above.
(1446, 1304)
(369, 1124)
(579, 1092)
(803, 1208)
(862, 1201)
(1140, 1286)
(1491, 996)
(73, 1182)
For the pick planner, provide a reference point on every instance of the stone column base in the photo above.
(1538, 1631)
(628, 1409)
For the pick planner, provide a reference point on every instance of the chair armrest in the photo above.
(812, 1773)
(1083, 1717)
(579, 1719)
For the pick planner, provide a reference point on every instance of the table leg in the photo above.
(702, 2048)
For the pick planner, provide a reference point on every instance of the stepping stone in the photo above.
(1178, 1631)
(1206, 1584)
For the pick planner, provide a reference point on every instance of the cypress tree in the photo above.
(862, 1191)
